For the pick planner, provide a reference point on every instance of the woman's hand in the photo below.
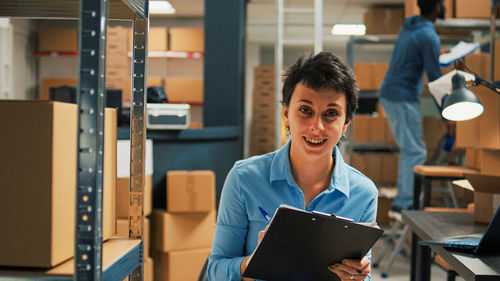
(243, 265)
(351, 269)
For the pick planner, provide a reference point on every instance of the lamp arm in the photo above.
(480, 81)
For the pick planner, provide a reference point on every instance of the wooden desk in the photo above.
(436, 225)
(425, 174)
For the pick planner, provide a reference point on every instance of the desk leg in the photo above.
(413, 265)
(427, 192)
(417, 188)
(423, 262)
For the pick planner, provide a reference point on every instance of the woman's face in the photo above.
(317, 119)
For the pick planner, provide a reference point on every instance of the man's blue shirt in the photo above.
(417, 50)
(266, 181)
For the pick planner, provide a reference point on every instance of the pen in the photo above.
(265, 215)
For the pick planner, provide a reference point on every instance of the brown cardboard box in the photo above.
(187, 39)
(361, 128)
(122, 230)
(363, 71)
(181, 265)
(368, 128)
(184, 90)
(471, 132)
(378, 72)
(385, 197)
(434, 130)
(122, 198)
(472, 9)
(264, 95)
(38, 172)
(377, 129)
(109, 174)
(496, 63)
(489, 121)
(45, 149)
(158, 38)
(486, 196)
(180, 231)
(48, 83)
(370, 164)
(58, 40)
(473, 158)
(479, 63)
(490, 162)
(389, 169)
(148, 269)
(190, 191)
(383, 20)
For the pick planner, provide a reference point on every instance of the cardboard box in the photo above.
(122, 196)
(378, 72)
(472, 9)
(190, 191)
(363, 71)
(479, 63)
(48, 83)
(58, 40)
(434, 130)
(38, 172)
(148, 269)
(179, 231)
(45, 149)
(490, 162)
(184, 90)
(264, 95)
(182, 265)
(473, 158)
(187, 39)
(383, 20)
(389, 169)
(385, 197)
(486, 196)
(368, 128)
(370, 164)
(489, 121)
(122, 230)
(109, 174)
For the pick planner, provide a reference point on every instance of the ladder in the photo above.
(317, 11)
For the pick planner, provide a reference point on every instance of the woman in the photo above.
(319, 99)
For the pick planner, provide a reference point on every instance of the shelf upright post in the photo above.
(90, 98)
(138, 136)
(494, 3)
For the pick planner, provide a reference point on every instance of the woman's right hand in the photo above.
(243, 265)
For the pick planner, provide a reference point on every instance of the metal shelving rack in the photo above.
(115, 259)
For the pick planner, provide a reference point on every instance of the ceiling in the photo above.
(261, 17)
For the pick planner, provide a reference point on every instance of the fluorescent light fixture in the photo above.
(160, 7)
(349, 29)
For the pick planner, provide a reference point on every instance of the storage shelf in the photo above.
(173, 54)
(55, 54)
(470, 24)
(120, 256)
(68, 9)
(202, 134)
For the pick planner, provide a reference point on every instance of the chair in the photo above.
(203, 272)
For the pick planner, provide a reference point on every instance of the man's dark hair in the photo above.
(320, 71)
(427, 6)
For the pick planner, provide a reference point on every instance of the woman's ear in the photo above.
(284, 112)
(346, 124)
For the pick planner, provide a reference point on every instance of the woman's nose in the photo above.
(317, 124)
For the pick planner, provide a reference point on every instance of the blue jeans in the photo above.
(405, 121)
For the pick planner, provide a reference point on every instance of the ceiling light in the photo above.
(162, 7)
(349, 29)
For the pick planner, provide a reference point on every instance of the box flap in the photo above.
(484, 183)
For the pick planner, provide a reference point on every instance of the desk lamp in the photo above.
(462, 104)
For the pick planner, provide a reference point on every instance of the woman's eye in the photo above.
(331, 112)
(305, 110)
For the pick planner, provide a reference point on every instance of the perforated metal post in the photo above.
(90, 97)
(138, 137)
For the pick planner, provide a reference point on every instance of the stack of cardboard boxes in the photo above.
(122, 198)
(182, 236)
(263, 135)
(117, 65)
(481, 139)
(38, 172)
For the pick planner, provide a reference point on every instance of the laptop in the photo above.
(488, 242)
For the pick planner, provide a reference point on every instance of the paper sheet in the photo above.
(459, 51)
(441, 87)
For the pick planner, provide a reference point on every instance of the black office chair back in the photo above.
(203, 273)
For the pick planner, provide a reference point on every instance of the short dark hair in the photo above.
(323, 70)
(427, 6)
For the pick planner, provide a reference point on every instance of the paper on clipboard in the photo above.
(440, 87)
(457, 52)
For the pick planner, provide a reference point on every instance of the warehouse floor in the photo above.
(400, 270)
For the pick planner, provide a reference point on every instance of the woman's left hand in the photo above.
(351, 269)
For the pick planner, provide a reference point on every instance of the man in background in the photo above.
(417, 50)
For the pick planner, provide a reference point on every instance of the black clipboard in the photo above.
(300, 245)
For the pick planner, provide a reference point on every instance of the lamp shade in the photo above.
(461, 104)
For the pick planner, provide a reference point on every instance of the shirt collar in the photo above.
(280, 170)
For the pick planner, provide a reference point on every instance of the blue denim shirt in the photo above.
(266, 181)
(417, 50)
